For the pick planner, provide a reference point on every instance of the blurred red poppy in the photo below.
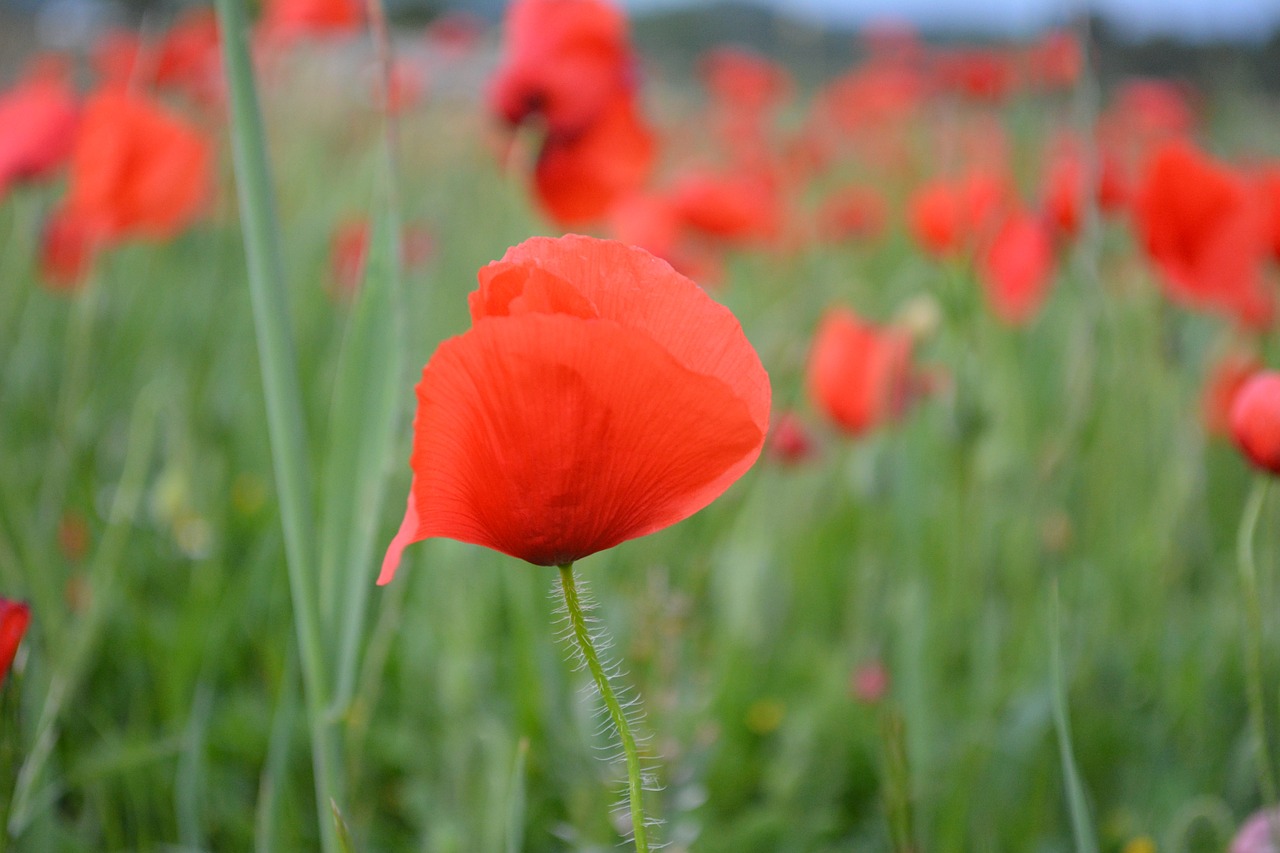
(579, 177)
(37, 125)
(562, 60)
(188, 58)
(14, 618)
(137, 169)
(742, 81)
(736, 207)
(286, 21)
(859, 375)
(1227, 376)
(1205, 233)
(789, 440)
(599, 396)
(947, 217)
(1017, 268)
(978, 74)
(1255, 420)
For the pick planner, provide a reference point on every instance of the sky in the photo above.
(1194, 19)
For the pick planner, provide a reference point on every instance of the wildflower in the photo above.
(870, 682)
(563, 61)
(14, 617)
(578, 178)
(859, 374)
(1258, 833)
(1255, 420)
(137, 169)
(598, 396)
(1204, 232)
(1017, 269)
(37, 126)
(286, 21)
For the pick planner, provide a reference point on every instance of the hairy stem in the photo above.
(585, 645)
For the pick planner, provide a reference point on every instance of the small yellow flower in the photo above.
(1141, 844)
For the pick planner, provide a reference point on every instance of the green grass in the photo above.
(1071, 450)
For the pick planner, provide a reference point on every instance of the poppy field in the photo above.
(481, 437)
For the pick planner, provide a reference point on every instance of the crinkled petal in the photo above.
(549, 437)
(634, 288)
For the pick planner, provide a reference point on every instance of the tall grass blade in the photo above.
(1077, 803)
(366, 410)
(285, 423)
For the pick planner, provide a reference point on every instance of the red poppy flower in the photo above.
(737, 207)
(981, 75)
(1204, 232)
(285, 21)
(137, 170)
(949, 217)
(563, 60)
(1226, 378)
(1255, 420)
(1017, 269)
(599, 396)
(14, 617)
(188, 58)
(742, 81)
(935, 214)
(37, 127)
(859, 374)
(578, 178)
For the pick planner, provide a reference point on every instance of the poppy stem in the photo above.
(585, 645)
(1253, 636)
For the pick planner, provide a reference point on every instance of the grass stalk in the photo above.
(285, 425)
(1077, 803)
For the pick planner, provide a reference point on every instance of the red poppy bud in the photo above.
(599, 396)
(790, 441)
(1255, 420)
(859, 375)
(1017, 269)
(14, 617)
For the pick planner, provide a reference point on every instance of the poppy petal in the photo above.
(549, 438)
(643, 292)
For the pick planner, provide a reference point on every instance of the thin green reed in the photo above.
(285, 424)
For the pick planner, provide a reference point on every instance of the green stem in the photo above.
(285, 424)
(1077, 804)
(1253, 635)
(585, 645)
